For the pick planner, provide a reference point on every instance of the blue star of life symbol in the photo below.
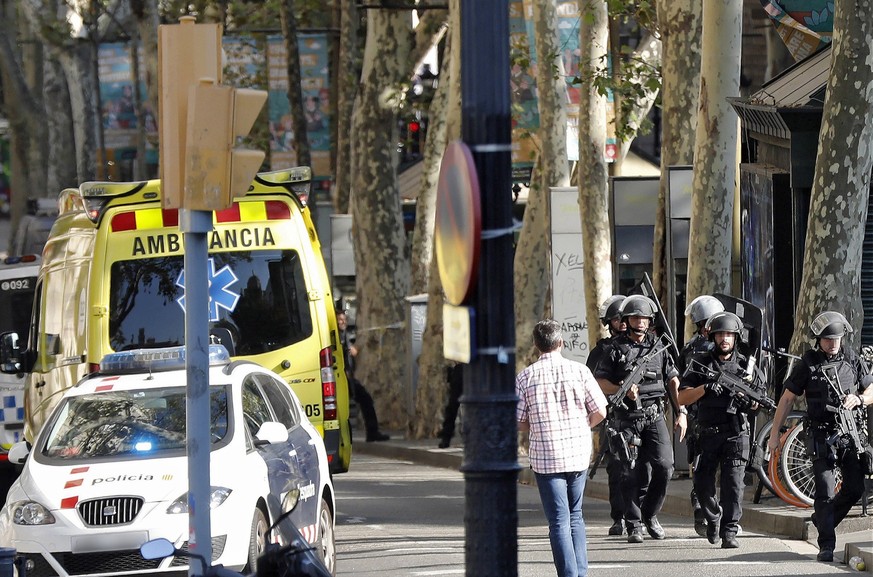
(219, 293)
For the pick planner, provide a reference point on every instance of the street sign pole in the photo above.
(490, 464)
(195, 224)
(188, 52)
(202, 171)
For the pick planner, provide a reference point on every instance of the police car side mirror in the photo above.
(270, 433)
(18, 453)
(157, 549)
(10, 354)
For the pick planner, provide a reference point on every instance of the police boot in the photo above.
(712, 531)
(654, 528)
(699, 522)
(617, 528)
(729, 541)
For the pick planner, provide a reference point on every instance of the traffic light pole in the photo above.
(490, 459)
(195, 225)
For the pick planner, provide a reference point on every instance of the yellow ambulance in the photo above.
(112, 279)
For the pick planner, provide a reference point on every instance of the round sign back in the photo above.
(458, 229)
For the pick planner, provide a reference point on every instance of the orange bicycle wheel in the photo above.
(796, 467)
(778, 479)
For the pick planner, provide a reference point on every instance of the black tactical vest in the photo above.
(651, 387)
(827, 383)
(712, 409)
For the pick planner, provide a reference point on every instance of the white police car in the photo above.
(109, 471)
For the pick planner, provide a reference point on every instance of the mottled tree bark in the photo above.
(431, 395)
(680, 24)
(61, 171)
(347, 86)
(715, 153)
(381, 252)
(532, 254)
(295, 88)
(841, 188)
(425, 204)
(593, 182)
(21, 67)
(649, 51)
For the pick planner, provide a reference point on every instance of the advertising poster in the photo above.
(118, 106)
(316, 102)
(804, 25)
(523, 87)
(568, 19)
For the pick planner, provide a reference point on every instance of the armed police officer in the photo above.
(723, 428)
(638, 416)
(699, 311)
(835, 382)
(610, 316)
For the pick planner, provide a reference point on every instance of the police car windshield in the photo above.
(143, 423)
(258, 298)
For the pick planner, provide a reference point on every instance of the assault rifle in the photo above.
(662, 327)
(847, 426)
(735, 385)
(636, 374)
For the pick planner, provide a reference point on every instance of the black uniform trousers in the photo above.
(831, 509)
(728, 451)
(654, 467)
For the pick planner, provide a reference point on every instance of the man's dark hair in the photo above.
(547, 335)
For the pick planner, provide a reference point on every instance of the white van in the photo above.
(17, 283)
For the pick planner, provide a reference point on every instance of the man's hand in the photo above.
(353, 350)
(681, 424)
(633, 393)
(773, 443)
(714, 387)
(743, 402)
(852, 401)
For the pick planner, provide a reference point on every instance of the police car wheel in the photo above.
(258, 541)
(327, 539)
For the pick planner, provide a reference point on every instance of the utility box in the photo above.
(342, 253)
(416, 321)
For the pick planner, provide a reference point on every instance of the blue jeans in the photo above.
(561, 494)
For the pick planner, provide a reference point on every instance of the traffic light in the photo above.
(187, 52)
(215, 170)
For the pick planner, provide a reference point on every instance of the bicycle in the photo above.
(760, 458)
(778, 478)
(797, 466)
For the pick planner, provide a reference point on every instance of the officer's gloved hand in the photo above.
(743, 402)
(714, 388)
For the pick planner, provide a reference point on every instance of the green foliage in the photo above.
(636, 78)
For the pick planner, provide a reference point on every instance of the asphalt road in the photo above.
(396, 518)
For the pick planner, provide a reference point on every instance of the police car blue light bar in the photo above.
(161, 359)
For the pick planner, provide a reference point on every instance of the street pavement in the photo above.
(771, 516)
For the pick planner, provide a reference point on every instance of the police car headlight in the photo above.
(31, 513)
(216, 497)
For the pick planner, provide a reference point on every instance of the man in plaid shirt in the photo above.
(559, 402)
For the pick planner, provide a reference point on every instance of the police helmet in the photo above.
(702, 308)
(611, 308)
(724, 322)
(638, 306)
(829, 325)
